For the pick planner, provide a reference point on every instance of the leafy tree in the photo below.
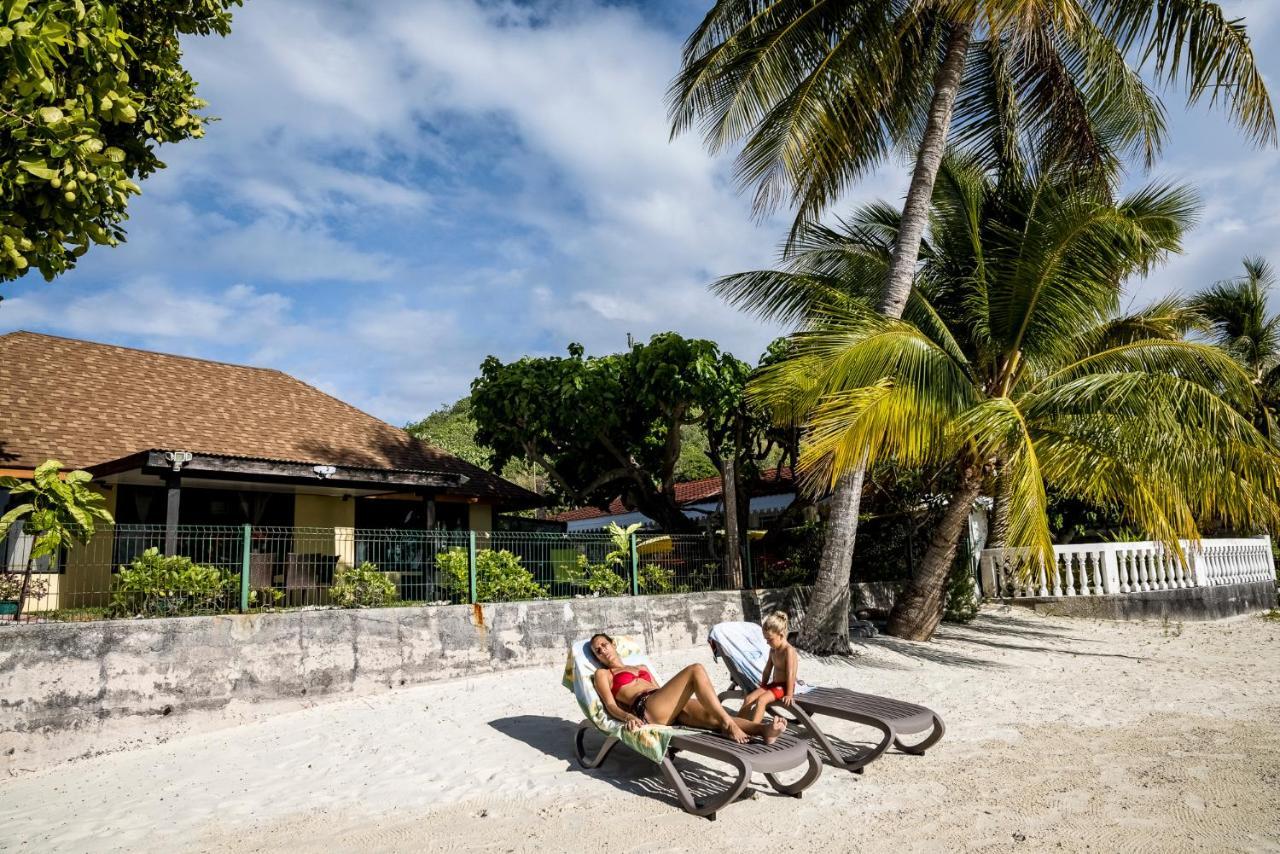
(452, 428)
(822, 92)
(1235, 314)
(57, 512)
(89, 88)
(1010, 362)
(614, 425)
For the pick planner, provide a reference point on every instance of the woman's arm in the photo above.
(602, 680)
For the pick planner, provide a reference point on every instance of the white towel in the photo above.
(744, 645)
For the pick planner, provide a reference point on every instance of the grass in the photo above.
(1272, 616)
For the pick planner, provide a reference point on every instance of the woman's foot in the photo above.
(732, 730)
(777, 727)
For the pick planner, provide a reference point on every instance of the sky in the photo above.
(396, 189)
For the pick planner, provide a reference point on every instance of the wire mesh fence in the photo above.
(129, 571)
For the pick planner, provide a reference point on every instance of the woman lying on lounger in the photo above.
(633, 696)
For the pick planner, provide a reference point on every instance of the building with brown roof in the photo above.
(177, 441)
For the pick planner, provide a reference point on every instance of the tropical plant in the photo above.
(56, 511)
(600, 579)
(363, 586)
(1236, 316)
(656, 579)
(1011, 362)
(499, 576)
(823, 92)
(89, 89)
(157, 585)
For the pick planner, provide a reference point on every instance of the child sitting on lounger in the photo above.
(778, 682)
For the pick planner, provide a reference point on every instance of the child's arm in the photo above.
(768, 670)
(793, 664)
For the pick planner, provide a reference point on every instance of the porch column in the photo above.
(173, 482)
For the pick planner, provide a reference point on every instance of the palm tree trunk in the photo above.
(732, 545)
(998, 529)
(825, 628)
(919, 607)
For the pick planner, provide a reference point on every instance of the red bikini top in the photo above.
(625, 678)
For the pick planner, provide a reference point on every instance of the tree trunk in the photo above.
(732, 546)
(919, 607)
(825, 628)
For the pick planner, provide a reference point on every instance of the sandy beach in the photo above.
(1063, 735)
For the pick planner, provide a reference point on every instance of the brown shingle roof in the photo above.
(87, 403)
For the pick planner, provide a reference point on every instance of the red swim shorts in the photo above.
(779, 690)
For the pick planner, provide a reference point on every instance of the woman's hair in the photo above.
(592, 642)
(774, 624)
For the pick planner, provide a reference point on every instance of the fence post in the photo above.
(746, 569)
(471, 564)
(635, 566)
(1110, 571)
(244, 568)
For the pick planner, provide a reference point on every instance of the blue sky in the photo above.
(397, 189)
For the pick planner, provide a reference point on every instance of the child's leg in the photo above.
(753, 706)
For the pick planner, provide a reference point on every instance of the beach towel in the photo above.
(748, 652)
(649, 741)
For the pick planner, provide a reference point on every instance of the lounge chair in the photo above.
(660, 744)
(742, 647)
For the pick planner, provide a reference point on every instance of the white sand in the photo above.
(1064, 735)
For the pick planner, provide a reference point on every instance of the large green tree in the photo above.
(1010, 363)
(822, 91)
(1236, 314)
(610, 426)
(88, 90)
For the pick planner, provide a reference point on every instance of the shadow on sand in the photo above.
(622, 769)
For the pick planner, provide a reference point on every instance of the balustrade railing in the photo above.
(1105, 569)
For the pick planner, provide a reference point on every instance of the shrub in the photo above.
(11, 587)
(361, 586)
(961, 605)
(599, 578)
(656, 579)
(499, 576)
(156, 585)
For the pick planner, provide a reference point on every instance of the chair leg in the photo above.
(579, 747)
(854, 762)
(939, 730)
(708, 808)
(797, 788)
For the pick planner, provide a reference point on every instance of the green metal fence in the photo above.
(125, 571)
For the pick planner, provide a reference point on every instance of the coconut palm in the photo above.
(1235, 314)
(1010, 362)
(822, 91)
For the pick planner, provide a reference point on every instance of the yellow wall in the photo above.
(325, 511)
(481, 517)
(87, 578)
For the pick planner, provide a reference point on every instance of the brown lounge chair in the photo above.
(893, 718)
(786, 753)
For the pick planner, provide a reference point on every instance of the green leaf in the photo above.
(50, 115)
(38, 168)
(114, 154)
(16, 8)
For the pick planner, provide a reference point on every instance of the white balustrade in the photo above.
(1097, 569)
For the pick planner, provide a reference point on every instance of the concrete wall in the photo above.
(63, 681)
(1194, 603)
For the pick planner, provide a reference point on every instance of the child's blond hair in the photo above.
(776, 624)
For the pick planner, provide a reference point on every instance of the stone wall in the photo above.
(1193, 603)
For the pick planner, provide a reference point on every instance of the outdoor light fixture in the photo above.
(177, 458)
(323, 471)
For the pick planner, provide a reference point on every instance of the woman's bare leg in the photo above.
(690, 699)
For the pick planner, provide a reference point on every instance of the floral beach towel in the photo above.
(649, 741)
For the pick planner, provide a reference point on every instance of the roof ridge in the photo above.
(89, 343)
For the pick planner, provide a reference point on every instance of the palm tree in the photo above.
(1235, 314)
(1010, 363)
(825, 90)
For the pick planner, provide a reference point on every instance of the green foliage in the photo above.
(451, 428)
(961, 605)
(361, 586)
(656, 579)
(156, 585)
(11, 587)
(601, 579)
(694, 462)
(614, 425)
(58, 512)
(499, 576)
(90, 89)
